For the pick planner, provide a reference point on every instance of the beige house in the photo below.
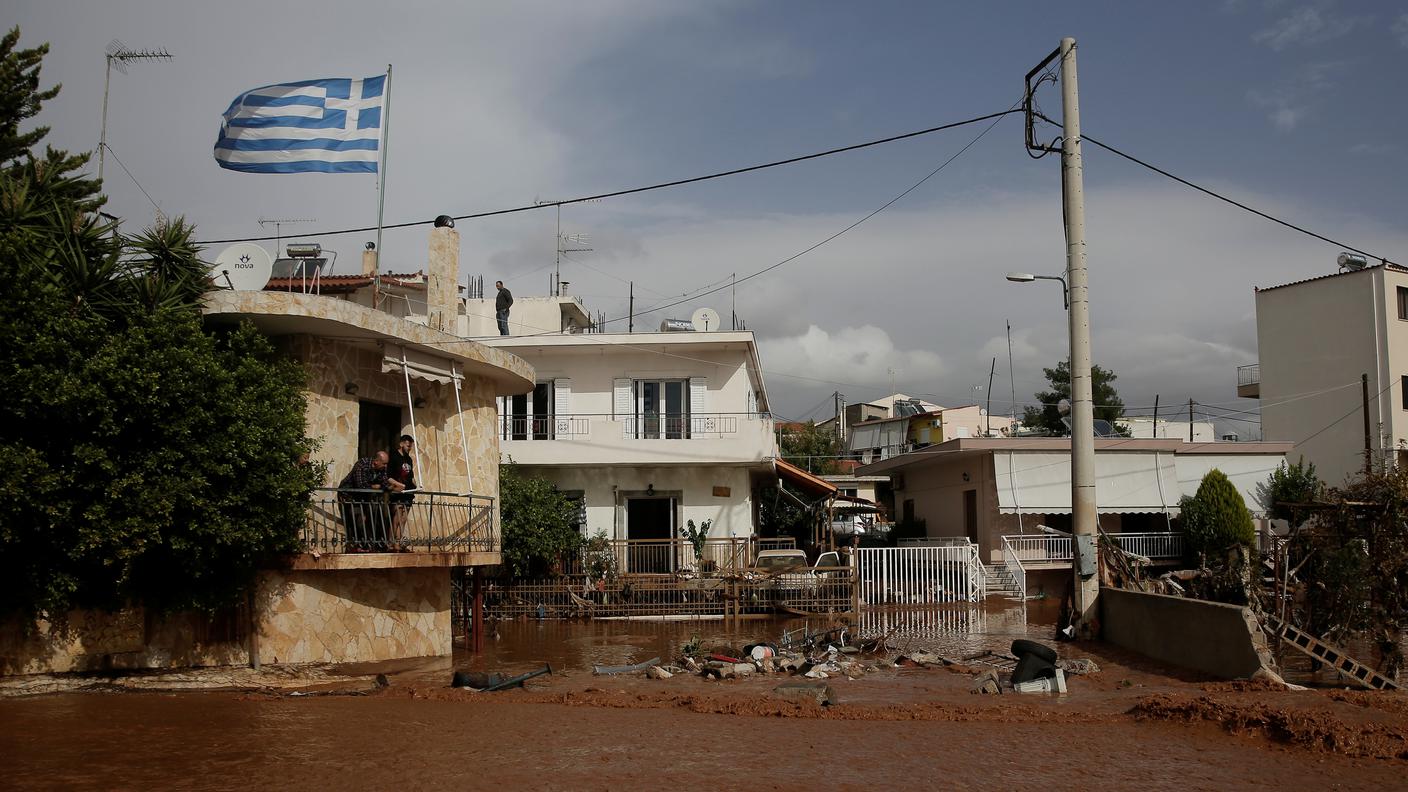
(370, 585)
(1315, 339)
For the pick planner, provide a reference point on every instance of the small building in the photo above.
(1012, 496)
(1150, 428)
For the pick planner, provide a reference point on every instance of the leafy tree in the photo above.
(1216, 518)
(537, 523)
(1286, 494)
(150, 461)
(1352, 558)
(1108, 405)
(811, 448)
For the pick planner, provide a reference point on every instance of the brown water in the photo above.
(903, 729)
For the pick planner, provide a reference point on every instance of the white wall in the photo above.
(1315, 339)
(1203, 431)
(606, 491)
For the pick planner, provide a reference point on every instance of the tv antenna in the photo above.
(120, 55)
(563, 241)
(278, 223)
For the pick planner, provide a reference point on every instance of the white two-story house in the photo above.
(646, 430)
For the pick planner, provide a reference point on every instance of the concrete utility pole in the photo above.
(1084, 519)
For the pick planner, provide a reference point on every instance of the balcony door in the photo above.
(662, 409)
(530, 414)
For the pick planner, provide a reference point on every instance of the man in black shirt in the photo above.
(403, 471)
(501, 305)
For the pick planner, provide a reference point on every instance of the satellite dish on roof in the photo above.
(705, 320)
(243, 266)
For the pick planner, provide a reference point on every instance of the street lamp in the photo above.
(1025, 277)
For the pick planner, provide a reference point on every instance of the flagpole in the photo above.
(381, 169)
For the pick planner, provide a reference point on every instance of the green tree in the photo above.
(1216, 518)
(1108, 405)
(150, 461)
(811, 448)
(1287, 494)
(21, 99)
(537, 520)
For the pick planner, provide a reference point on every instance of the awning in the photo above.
(420, 365)
(803, 480)
(1246, 472)
(1125, 483)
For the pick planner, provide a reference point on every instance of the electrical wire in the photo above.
(647, 188)
(133, 178)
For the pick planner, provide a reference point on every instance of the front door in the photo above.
(650, 519)
(970, 514)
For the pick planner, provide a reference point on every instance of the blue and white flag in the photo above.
(323, 126)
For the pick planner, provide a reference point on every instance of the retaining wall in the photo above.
(1221, 640)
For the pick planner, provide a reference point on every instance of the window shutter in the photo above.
(503, 417)
(699, 406)
(623, 405)
(562, 406)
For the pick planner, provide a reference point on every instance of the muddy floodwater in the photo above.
(1130, 726)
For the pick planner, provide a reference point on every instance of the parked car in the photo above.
(790, 570)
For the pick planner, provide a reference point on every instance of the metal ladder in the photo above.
(1329, 655)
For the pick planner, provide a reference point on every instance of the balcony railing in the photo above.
(669, 556)
(371, 521)
(543, 427)
(1031, 550)
(1249, 375)
(679, 427)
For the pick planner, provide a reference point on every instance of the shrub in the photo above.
(1216, 519)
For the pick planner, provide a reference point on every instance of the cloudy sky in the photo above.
(1293, 107)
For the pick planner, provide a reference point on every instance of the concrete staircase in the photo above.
(998, 582)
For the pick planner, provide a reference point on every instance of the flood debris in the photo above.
(1078, 667)
(605, 670)
(488, 683)
(989, 683)
(800, 692)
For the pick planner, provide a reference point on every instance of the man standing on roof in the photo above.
(501, 305)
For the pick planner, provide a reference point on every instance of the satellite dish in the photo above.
(243, 266)
(705, 320)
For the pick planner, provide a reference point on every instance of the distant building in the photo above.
(1158, 429)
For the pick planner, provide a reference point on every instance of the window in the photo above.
(1403, 388)
(1403, 302)
(662, 409)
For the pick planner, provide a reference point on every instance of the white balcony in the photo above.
(595, 439)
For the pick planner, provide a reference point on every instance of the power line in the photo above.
(647, 188)
(133, 178)
(1225, 199)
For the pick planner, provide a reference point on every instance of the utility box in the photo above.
(1085, 555)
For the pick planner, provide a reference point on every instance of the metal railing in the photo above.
(919, 575)
(1039, 549)
(679, 427)
(543, 427)
(1151, 545)
(372, 521)
(672, 556)
(935, 541)
(1249, 375)
(1057, 549)
(1014, 567)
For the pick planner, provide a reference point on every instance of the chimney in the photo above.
(442, 278)
(369, 262)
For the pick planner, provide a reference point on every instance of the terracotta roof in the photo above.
(343, 284)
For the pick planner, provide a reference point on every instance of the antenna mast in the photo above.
(278, 223)
(121, 55)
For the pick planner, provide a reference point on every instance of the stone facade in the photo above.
(305, 617)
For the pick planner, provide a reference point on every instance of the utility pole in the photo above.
(631, 312)
(991, 372)
(1084, 519)
(1368, 441)
(1190, 420)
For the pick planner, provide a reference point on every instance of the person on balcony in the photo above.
(401, 470)
(364, 512)
(502, 303)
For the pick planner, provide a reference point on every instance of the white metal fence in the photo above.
(919, 575)
(1055, 549)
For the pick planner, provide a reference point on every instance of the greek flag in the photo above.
(323, 126)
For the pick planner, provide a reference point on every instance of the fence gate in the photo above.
(919, 575)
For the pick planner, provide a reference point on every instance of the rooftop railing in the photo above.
(373, 521)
